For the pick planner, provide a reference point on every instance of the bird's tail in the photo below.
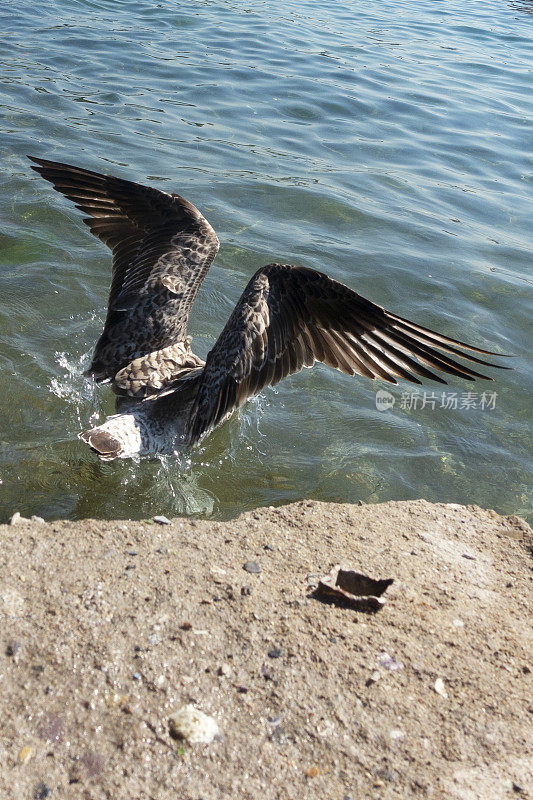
(118, 437)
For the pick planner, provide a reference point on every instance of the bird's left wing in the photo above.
(289, 317)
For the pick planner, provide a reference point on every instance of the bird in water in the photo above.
(287, 318)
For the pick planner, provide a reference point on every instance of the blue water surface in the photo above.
(388, 144)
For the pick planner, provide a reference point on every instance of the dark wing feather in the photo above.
(289, 317)
(162, 249)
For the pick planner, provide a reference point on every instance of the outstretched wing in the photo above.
(289, 317)
(162, 249)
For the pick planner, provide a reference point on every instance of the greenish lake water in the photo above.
(386, 143)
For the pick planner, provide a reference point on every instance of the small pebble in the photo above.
(42, 791)
(136, 676)
(224, 669)
(161, 520)
(276, 652)
(13, 647)
(193, 725)
(374, 677)
(396, 733)
(24, 754)
(52, 728)
(93, 762)
(252, 567)
(388, 662)
(114, 699)
(312, 772)
(386, 773)
(131, 552)
(278, 735)
(269, 547)
(439, 688)
(153, 638)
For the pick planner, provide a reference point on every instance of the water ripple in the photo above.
(387, 144)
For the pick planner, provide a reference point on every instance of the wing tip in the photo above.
(37, 165)
(42, 163)
(450, 340)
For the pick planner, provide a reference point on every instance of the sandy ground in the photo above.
(109, 627)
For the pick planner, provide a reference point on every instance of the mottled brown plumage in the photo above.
(286, 319)
(162, 249)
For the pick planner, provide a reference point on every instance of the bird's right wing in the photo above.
(162, 249)
(289, 317)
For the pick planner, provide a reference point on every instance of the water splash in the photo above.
(76, 388)
(73, 385)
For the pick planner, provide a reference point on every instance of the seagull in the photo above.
(287, 318)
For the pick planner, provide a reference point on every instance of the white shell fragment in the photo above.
(440, 688)
(193, 725)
